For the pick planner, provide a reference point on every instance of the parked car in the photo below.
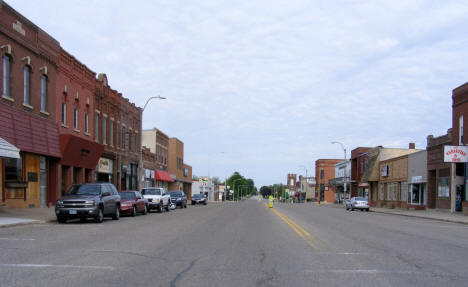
(132, 202)
(357, 203)
(198, 199)
(87, 200)
(178, 198)
(157, 198)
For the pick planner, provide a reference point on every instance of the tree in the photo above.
(194, 177)
(216, 180)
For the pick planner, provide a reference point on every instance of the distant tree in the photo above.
(216, 180)
(194, 177)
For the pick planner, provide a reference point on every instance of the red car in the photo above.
(132, 202)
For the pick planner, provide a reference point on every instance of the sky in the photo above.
(264, 87)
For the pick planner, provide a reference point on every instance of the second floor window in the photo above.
(27, 85)
(64, 113)
(86, 121)
(104, 130)
(6, 76)
(111, 132)
(96, 127)
(75, 119)
(122, 136)
(136, 142)
(43, 93)
(130, 140)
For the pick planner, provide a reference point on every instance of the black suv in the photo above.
(94, 200)
(178, 198)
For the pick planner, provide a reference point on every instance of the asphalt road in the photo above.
(238, 244)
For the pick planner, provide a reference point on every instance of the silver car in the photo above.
(357, 203)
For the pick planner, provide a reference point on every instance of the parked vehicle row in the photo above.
(97, 200)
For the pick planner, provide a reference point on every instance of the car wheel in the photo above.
(100, 216)
(145, 210)
(168, 207)
(61, 219)
(352, 209)
(204, 203)
(367, 209)
(116, 215)
(83, 219)
(185, 205)
(134, 211)
(161, 207)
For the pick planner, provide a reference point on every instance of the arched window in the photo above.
(6, 76)
(27, 85)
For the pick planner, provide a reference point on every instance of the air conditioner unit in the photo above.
(87, 101)
(6, 48)
(77, 96)
(65, 89)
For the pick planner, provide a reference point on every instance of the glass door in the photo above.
(43, 181)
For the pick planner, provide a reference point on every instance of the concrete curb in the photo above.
(33, 221)
(423, 217)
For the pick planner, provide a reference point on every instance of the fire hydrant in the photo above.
(270, 201)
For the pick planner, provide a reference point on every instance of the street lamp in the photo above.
(141, 173)
(346, 167)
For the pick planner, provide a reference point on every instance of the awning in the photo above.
(8, 150)
(163, 176)
(79, 152)
(363, 184)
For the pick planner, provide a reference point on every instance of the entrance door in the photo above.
(43, 181)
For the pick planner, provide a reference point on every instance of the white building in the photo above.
(203, 185)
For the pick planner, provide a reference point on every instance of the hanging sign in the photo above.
(455, 153)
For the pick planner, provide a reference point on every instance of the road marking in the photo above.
(14, 239)
(58, 266)
(306, 236)
(368, 271)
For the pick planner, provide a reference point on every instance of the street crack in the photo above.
(180, 274)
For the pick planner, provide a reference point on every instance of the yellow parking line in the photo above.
(306, 236)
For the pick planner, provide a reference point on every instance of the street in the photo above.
(238, 244)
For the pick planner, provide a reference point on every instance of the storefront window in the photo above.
(13, 169)
(404, 190)
(381, 192)
(443, 187)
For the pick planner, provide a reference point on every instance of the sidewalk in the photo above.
(441, 215)
(23, 216)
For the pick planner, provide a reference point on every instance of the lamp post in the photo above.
(345, 180)
(141, 173)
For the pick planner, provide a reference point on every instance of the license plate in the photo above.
(72, 211)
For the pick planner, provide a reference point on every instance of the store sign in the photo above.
(416, 179)
(105, 165)
(455, 153)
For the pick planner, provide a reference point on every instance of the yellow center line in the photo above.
(306, 236)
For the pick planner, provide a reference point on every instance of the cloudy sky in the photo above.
(263, 87)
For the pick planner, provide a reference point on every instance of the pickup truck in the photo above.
(157, 198)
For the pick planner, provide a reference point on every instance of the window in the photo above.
(75, 119)
(96, 126)
(43, 93)
(395, 191)
(122, 136)
(27, 85)
(129, 140)
(443, 187)
(381, 192)
(389, 187)
(13, 169)
(86, 122)
(322, 173)
(104, 130)
(111, 132)
(460, 130)
(64, 113)
(6, 78)
(404, 190)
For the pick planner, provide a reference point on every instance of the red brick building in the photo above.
(117, 126)
(29, 59)
(324, 171)
(359, 162)
(75, 109)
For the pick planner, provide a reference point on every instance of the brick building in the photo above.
(359, 162)
(149, 165)
(324, 171)
(180, 172)
(117, 126)
(158, 143)
(74, 108)
(29, 59)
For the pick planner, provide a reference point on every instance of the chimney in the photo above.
(412, 145)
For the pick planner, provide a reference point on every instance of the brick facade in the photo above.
(324, 171)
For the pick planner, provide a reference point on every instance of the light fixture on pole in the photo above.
(141, 173)
(345, 180)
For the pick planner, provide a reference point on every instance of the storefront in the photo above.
(149, 178)
(163, 179)
(416, 190)
(129, 176)
(104, 170)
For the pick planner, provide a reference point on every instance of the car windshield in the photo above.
(127, 195)
(175, 193)
(360, 199)
(198, 196)
(151, 192)
(85, 189)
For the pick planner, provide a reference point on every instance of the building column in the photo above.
(453, 187)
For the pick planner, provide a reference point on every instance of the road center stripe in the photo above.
(57, 266)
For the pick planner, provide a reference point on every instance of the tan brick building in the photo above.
(180, 172)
